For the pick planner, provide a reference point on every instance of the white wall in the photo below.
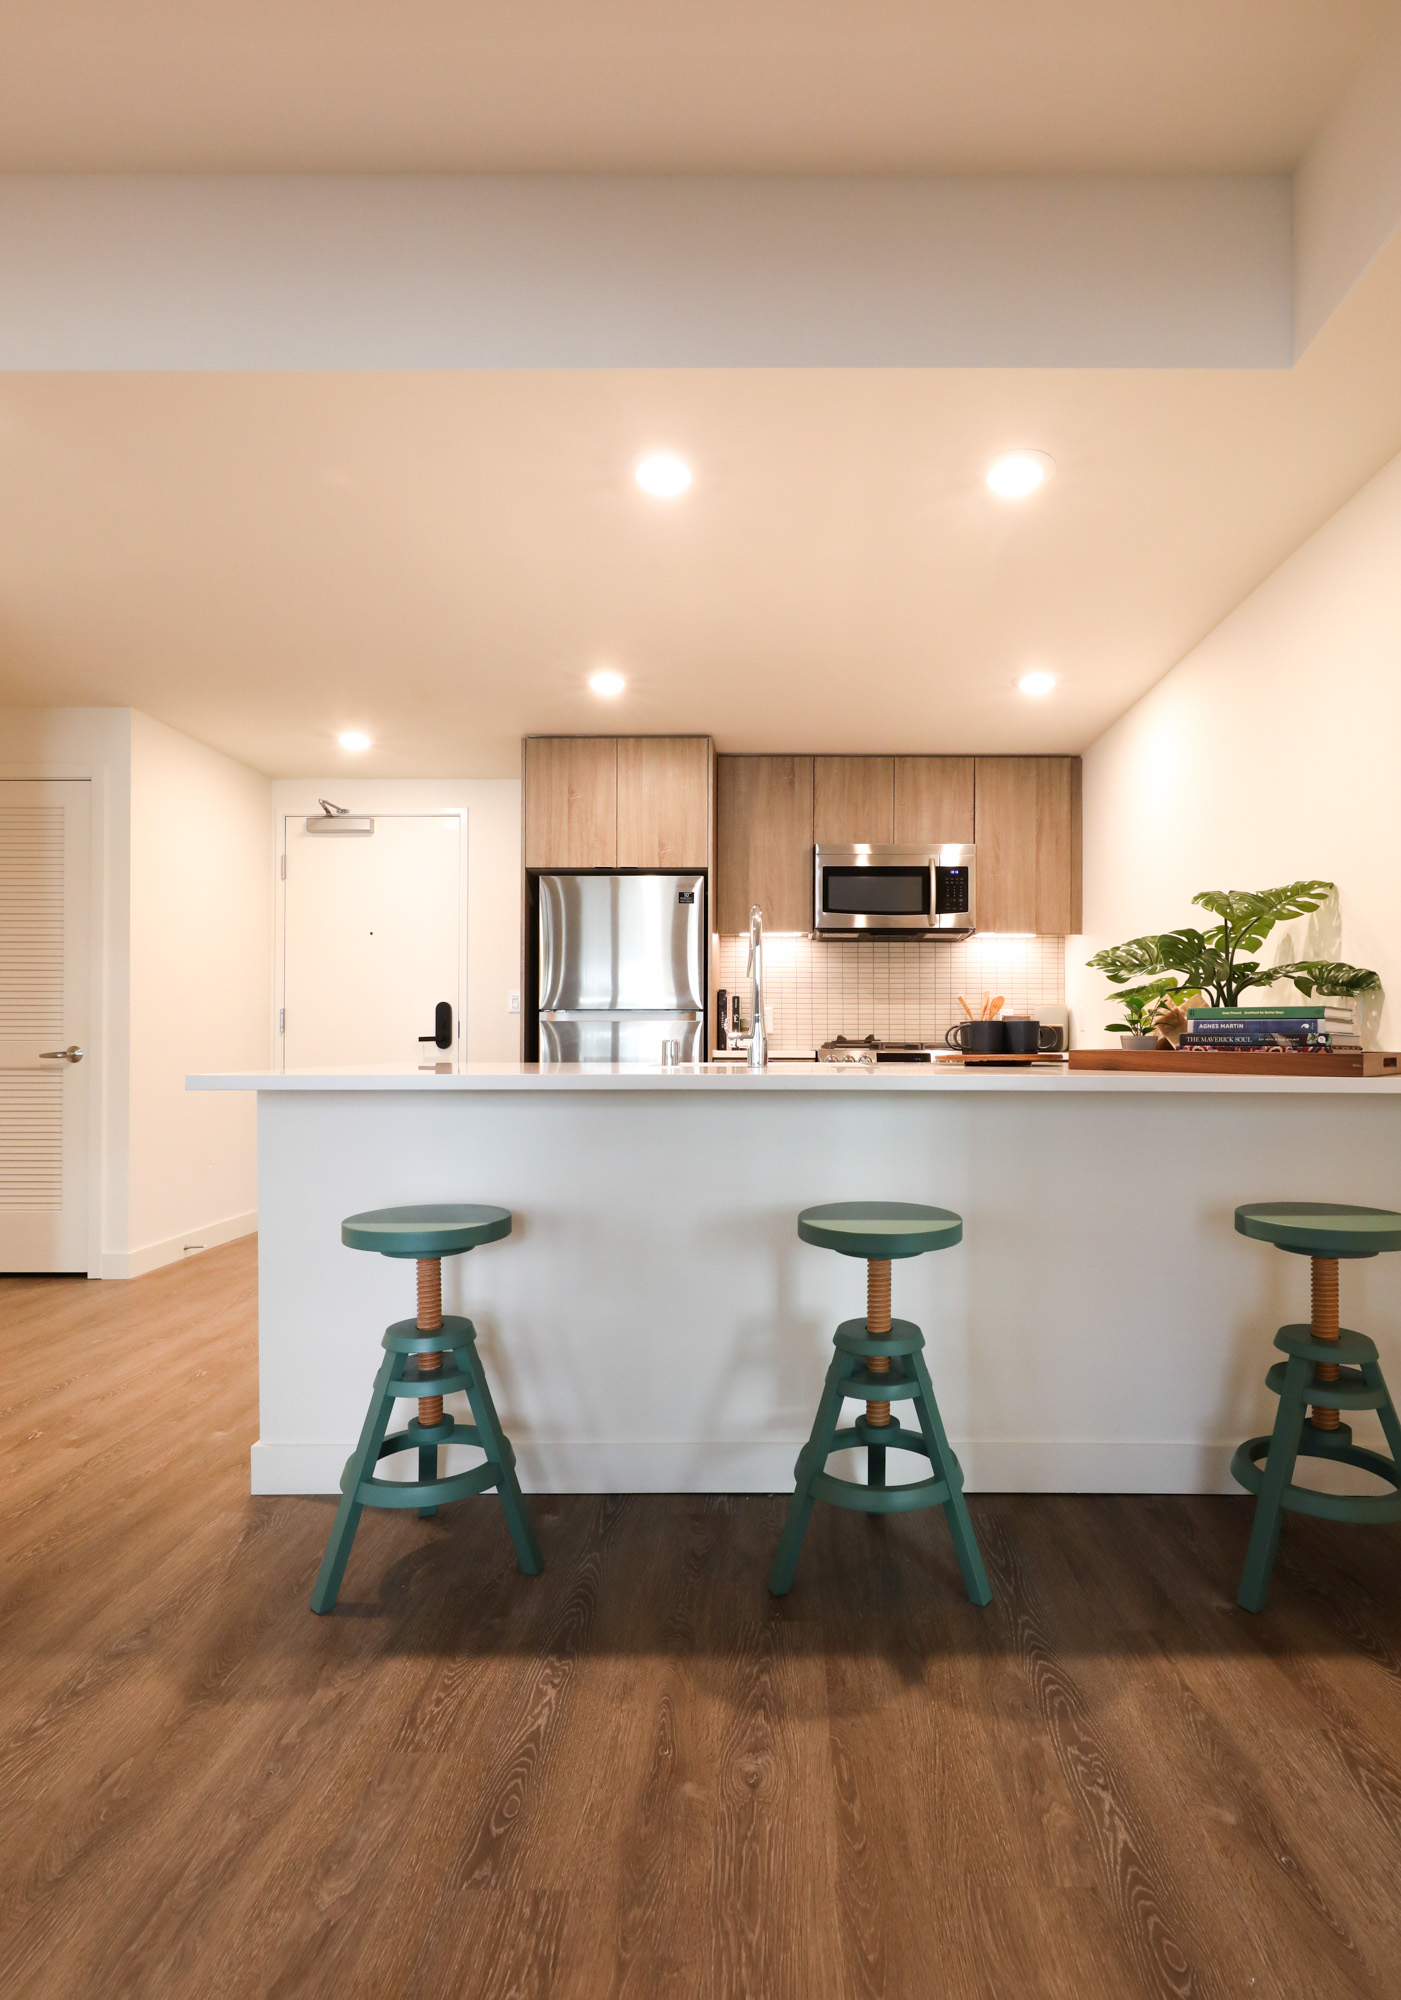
(1269, 753)
(201, 979)
(493, 808)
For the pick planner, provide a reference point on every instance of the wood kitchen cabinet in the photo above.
(571, 801)
(933, 801)
(664, 785)
(853, 800)
(617, 801)
(764, 823)
(1028, 835)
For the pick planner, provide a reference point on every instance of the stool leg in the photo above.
(945, 1465)
(359, 1465)
(1391, 1424)
(811, 1459)
(1279, 1469)
(430, 1408)
(499, 1453)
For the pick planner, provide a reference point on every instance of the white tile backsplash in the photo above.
(901, 990)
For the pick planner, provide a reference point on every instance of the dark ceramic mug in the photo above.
(978, 1038)
(1026, 1037)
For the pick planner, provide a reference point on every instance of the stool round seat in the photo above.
(880, 1229)
(430, 1229)
(1321, 1228)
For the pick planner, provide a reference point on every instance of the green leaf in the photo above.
(1329, 978)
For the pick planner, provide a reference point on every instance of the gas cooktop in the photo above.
(870, 1049)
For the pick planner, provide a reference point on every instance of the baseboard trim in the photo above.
(998, 1465)
(151, 1256)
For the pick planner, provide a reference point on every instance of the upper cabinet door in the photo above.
(1028, 836)
(853, 800)
(571, 802)
(764, 823)
(933, 801)
(663, 801)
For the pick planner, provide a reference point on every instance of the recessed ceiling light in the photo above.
(1018, 473)
(1036, 684)
(354, 739)
(606, 682)
(663, 475)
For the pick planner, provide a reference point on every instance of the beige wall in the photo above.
(201, 978)
(1269, 753)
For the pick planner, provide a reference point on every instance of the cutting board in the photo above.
(1237, 1062)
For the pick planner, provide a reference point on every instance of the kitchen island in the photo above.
(654, 1324)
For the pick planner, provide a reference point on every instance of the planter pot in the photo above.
(1138, 1041)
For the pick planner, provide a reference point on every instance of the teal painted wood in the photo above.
(811, 1458)
(1349, 1392)
(431, 1229)
(1349, 1346)
(943, 1458)
(360, 1487)
(903, 1338)
(1321, 1228)
(908, 1380)
(879, 1229)
(1295, 1436)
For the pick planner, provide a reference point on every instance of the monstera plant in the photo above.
(1220, 963)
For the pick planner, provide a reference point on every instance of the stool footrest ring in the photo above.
(906, 1499)
(1363, 1509)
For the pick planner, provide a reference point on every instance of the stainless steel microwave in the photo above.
(924, 891)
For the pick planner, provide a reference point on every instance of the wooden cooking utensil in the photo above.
(964, 1005)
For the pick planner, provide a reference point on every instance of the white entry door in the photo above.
(44, 1026)
(373, 942)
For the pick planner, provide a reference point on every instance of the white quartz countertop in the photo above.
(782, 1077)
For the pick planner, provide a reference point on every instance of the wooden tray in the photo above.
(1238, 1062)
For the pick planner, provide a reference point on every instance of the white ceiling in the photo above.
(1049, 86)
(442, 558)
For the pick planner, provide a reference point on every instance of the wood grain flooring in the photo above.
(638, 1775)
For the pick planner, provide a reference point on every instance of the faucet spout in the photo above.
(758, 1040)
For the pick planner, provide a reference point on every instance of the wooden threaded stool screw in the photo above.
(430, 1318)
(1324, 1326)
(878, 1322)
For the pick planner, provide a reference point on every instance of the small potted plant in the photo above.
(1142, 1006)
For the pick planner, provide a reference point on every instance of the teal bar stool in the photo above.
(1329, 1366)
(413, 1364)
(879, 1360)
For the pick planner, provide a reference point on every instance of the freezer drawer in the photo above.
(604, 1037)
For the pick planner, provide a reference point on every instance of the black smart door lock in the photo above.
(442, 1026)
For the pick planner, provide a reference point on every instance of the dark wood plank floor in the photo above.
(637, 1774)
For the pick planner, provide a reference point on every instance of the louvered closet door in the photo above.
(43, 1008)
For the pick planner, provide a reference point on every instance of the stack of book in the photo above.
(1321, 1024)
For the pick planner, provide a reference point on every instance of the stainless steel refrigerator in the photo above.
(622, 967)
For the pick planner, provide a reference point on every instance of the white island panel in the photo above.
(654, 1324)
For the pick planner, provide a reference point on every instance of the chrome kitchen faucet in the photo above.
(758, 1042)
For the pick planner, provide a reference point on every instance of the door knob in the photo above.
(442, 1026)
(72, 1054)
